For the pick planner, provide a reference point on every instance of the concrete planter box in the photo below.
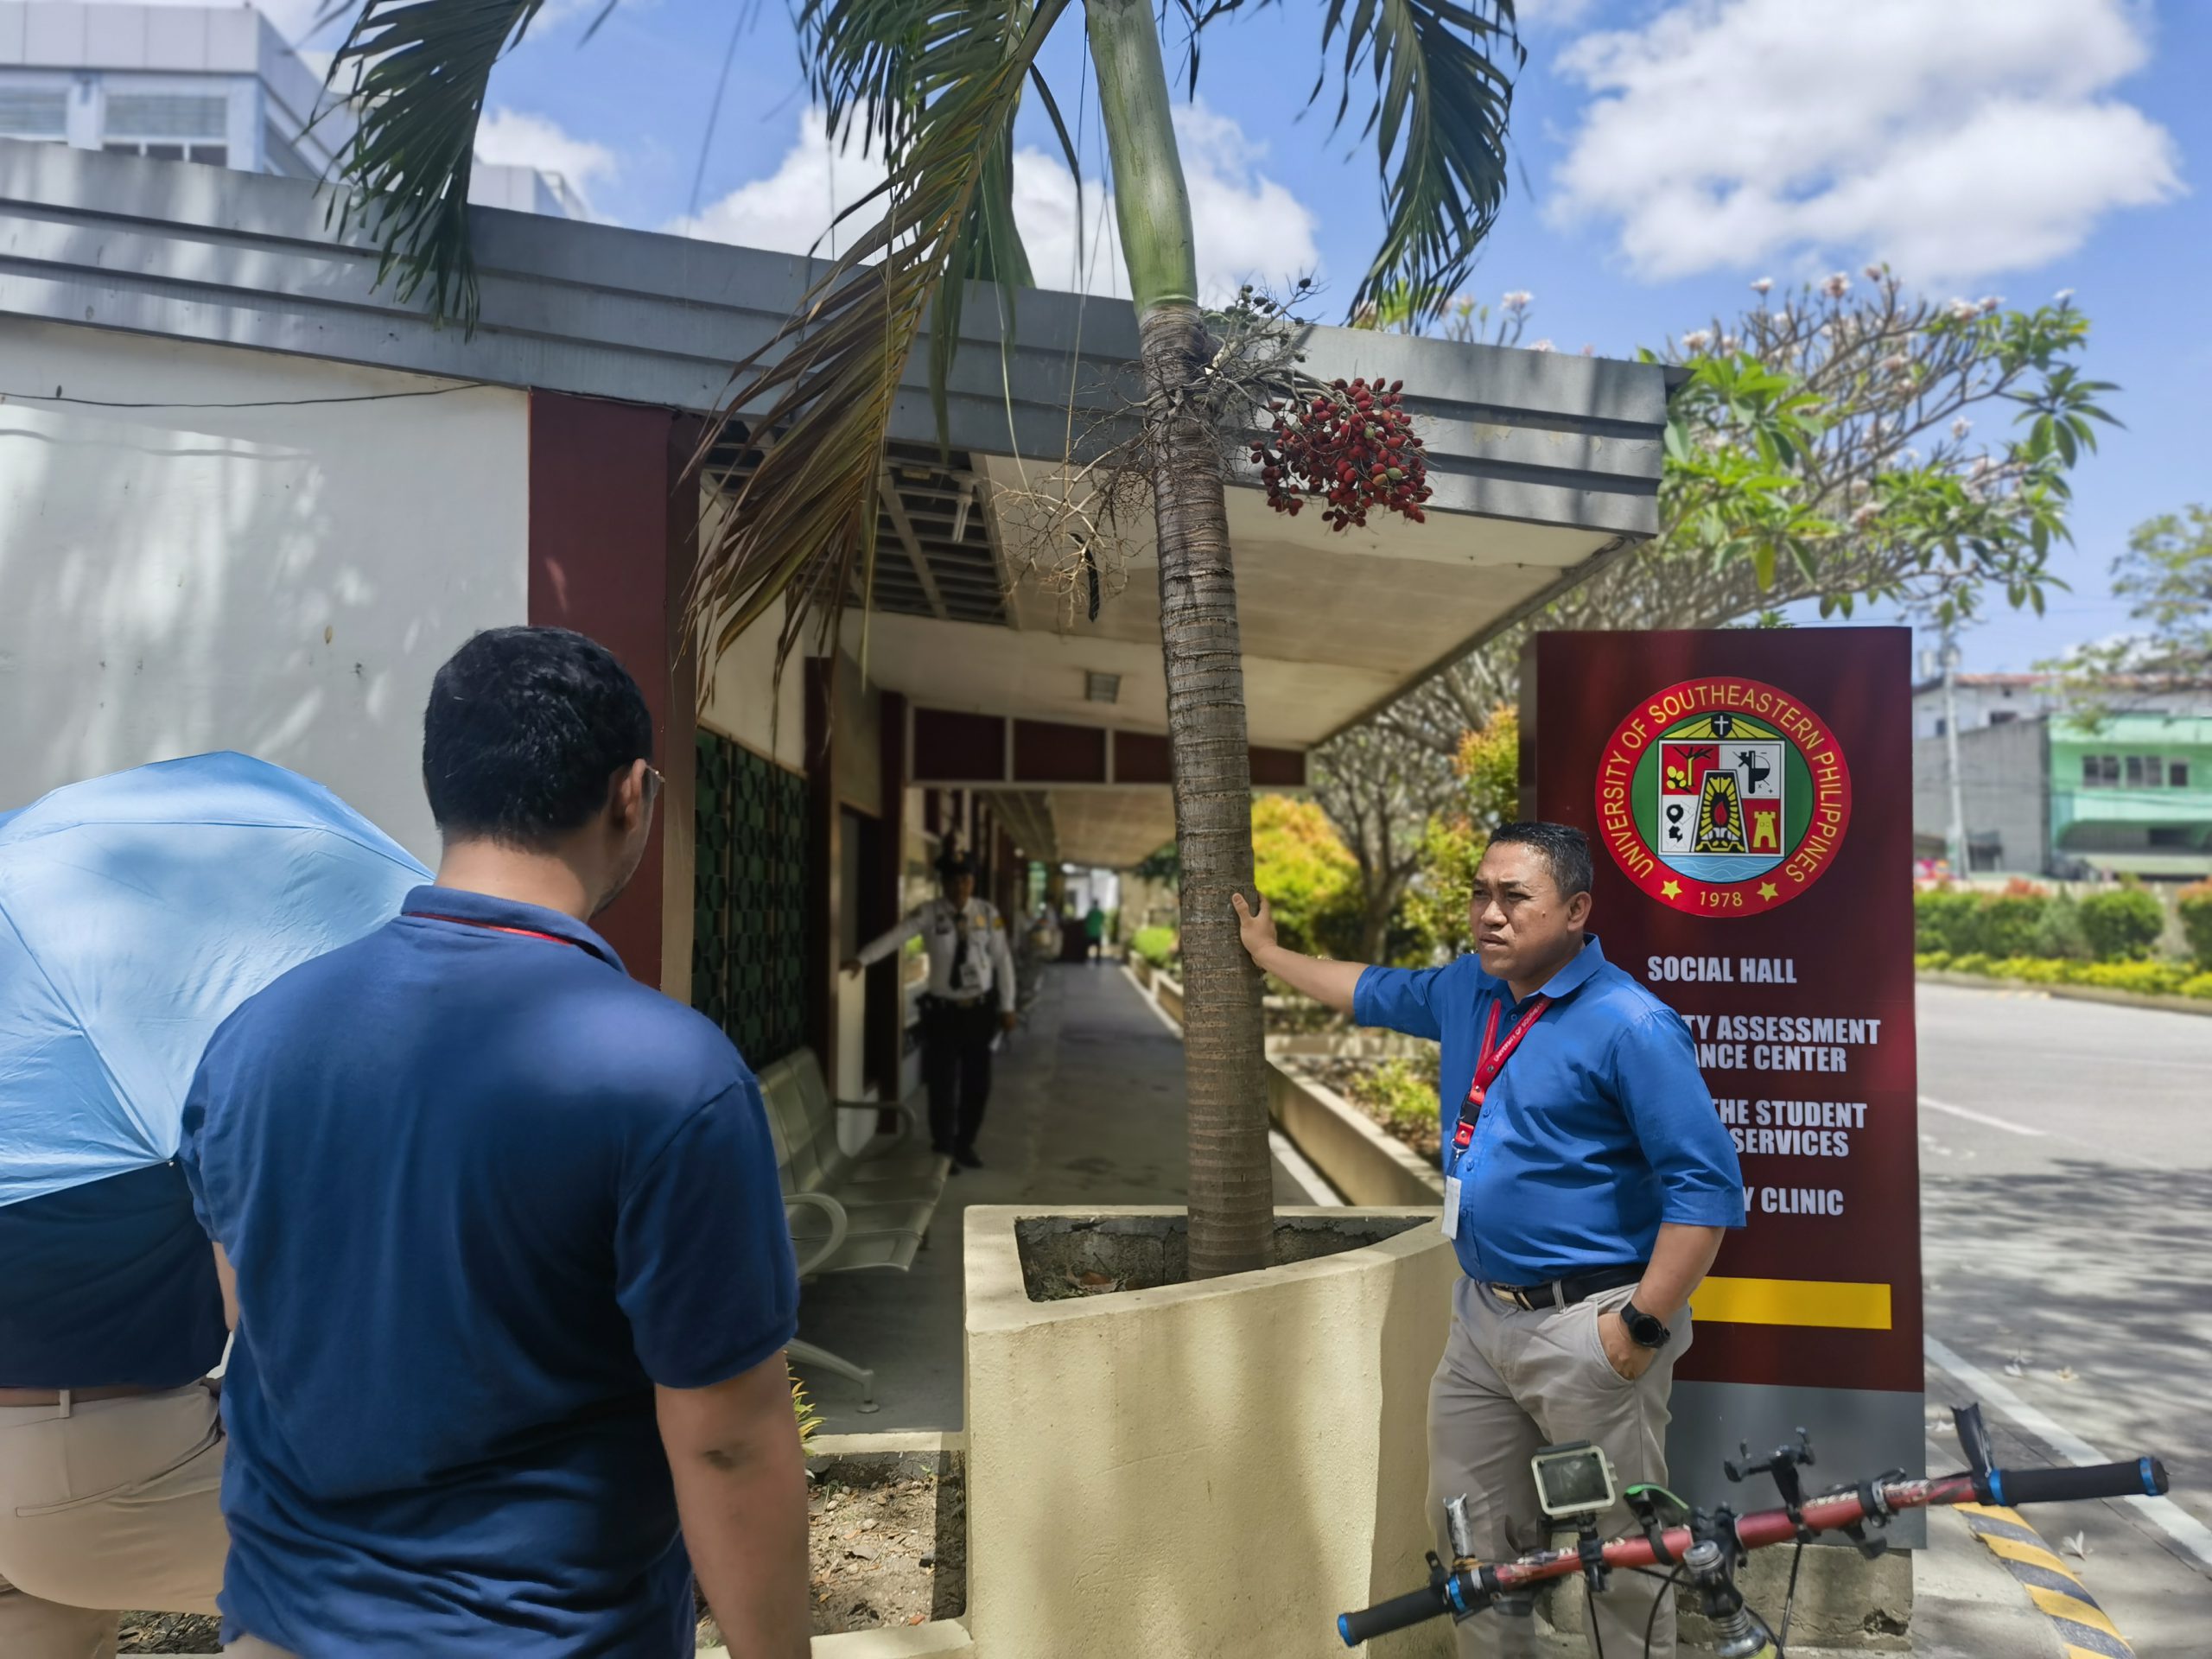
(1213, 1469)
(1354, 1154)
(1142, 971)
(1168, 992)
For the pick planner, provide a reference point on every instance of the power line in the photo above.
(56, 396)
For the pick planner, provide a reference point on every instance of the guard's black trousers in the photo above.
(956, 1066)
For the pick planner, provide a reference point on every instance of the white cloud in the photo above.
(1249, 225)
(516, 138)
(1953, 141)
(1538, 15)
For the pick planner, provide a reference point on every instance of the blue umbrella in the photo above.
(135, 912)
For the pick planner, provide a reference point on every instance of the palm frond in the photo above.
(1442, 100)
(418, 72)
(816, 398)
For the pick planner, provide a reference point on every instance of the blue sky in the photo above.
(1667, 152)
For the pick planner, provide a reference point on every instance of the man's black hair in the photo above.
(1564, 850)
(526, 729)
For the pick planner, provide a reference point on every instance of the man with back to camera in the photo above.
(1588, 1183)
(503, 1241)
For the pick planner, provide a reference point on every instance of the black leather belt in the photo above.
(1566, 1292)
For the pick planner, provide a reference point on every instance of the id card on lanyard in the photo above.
(1491, 1061)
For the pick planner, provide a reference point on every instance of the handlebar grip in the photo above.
(1394, 1614)
(2144, 1478)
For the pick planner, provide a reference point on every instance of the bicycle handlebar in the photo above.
(1415, 1607)
(1471, 1587)
(2144, 1478)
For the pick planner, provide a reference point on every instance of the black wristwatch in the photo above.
(1643, 1330)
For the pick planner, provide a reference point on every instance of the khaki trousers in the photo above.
(1513, 1381)
(105, 1506)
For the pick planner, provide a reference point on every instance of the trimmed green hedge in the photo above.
(2195, 903)
(2146, 978)
(2123, 925)
(1157, 945)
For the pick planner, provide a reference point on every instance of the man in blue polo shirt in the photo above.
(1587, 1184)
(502, 1233)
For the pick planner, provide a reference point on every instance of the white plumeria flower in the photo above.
(1543, 345)
(1588, 350)
(1990, 301)
(2064, 294)
(1960, 427)
(1765, 284)
(1730, 343)
(1518, 299)
(1866, 516)
(1896, 363)
(1837, 285)
(1874, 273)
(1965, 310)
(1697, 340)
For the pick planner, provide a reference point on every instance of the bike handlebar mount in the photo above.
(1708, 1546)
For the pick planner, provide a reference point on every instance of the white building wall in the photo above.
(742, 704)
(282, 580)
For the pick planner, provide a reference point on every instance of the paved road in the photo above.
(2066, 1185)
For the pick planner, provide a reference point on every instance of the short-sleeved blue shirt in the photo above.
(481, 1191)
(1599, 1128)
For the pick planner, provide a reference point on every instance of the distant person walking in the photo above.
(971, 997)
(1094, 930)
(511, 1276)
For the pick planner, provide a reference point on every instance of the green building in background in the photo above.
(2048, 794)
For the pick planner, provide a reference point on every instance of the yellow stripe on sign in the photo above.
(2072, 1608)
(1793, 1302)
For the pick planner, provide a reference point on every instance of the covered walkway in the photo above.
(1088, 1109)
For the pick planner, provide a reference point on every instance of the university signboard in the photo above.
(1747, 796)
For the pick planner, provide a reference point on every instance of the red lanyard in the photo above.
(1492, 1061)
(519, 932)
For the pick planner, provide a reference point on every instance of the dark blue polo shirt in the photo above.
(482, 1191)
(108, 1283)
(1599, 1127)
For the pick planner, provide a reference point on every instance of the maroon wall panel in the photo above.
(968, 747)
(1141, 758)
(600, 546)
(1046, 752)
(1277, 769)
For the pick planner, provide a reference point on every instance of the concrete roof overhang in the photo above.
(1544, 466)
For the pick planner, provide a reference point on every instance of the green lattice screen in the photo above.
(749, 946)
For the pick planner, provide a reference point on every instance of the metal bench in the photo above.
(847, 1210)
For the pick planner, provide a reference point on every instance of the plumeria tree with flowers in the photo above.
(1847, 442)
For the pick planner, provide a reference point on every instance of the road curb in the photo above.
(2199, 1006)
(2083, 1630)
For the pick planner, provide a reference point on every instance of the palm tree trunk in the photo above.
(1232, 1176)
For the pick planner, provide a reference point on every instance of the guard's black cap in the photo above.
(954, 863)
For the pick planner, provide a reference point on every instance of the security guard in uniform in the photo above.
(970, 997)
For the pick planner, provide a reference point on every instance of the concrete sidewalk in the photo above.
(1088, 1107)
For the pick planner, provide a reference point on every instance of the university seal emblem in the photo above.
(1723, 796)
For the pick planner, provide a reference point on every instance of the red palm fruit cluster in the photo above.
(1351, 447)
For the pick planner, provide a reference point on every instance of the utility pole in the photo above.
(1961, 867)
